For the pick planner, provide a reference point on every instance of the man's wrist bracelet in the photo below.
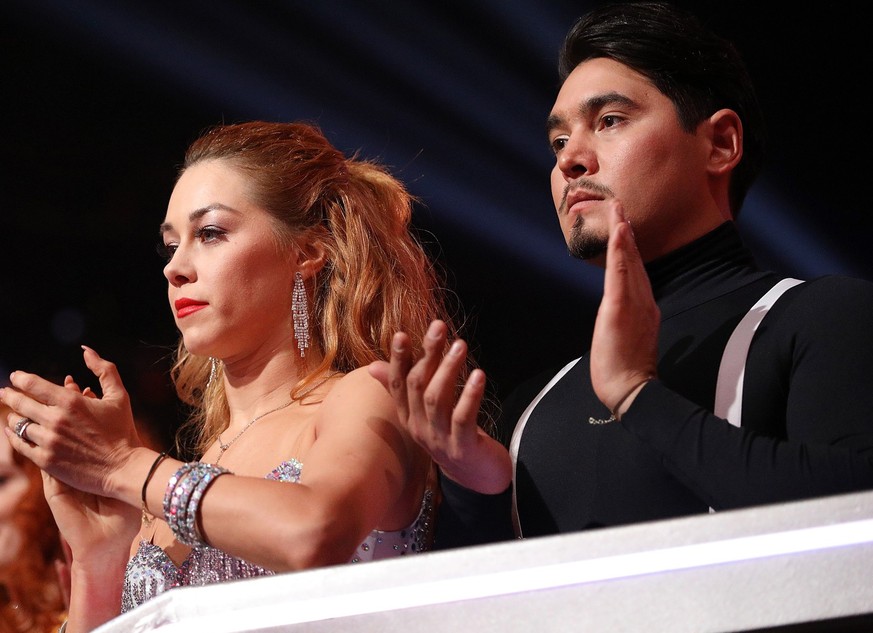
(616, 412)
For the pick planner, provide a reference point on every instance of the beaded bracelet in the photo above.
(185, 489)
(172, 494)
(188, 523)
(182, 500)
(190, 526)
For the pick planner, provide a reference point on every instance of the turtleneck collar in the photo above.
(701, 268)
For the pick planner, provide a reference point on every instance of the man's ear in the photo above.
(726, 137)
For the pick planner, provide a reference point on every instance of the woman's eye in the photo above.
(206, 235)
(209, 233)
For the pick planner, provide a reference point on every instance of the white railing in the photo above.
(753, 569)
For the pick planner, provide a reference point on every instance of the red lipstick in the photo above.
(186, 306)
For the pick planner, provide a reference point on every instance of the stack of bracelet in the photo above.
(182, 500)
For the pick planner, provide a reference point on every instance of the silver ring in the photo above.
(21, 428)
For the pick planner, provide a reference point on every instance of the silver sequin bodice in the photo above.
(151, 572)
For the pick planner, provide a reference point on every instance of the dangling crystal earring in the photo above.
(213, 371)
(300, 314)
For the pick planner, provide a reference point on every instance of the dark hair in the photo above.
(699, 71)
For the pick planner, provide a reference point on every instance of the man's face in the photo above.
(616, 136)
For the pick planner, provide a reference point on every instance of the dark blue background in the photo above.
(101, 98)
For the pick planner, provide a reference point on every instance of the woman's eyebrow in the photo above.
(197, 214)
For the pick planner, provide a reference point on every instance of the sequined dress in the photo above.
(151, 572)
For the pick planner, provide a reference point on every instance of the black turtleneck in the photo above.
(807, 410)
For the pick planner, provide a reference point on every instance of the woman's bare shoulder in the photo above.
(360, 395)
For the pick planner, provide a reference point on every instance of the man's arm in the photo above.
(819, 342)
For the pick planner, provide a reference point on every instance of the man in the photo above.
(657, 119)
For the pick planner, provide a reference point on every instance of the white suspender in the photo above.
(516, 438)
(729, 388)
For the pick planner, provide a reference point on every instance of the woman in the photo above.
(289, 267)
(31, 596)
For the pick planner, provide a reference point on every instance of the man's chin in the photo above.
(587, 249)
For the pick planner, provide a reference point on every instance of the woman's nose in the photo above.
(179, 270)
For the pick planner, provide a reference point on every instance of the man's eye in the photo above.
(558, 144)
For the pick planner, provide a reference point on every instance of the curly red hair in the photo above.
(31, 599)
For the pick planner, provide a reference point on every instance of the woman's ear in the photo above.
(726, 141)
(310, 258)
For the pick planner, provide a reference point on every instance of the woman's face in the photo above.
(13, 486)
(229, 286)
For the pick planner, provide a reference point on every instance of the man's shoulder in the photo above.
(840, 281)
(831, 291)
(832, 303)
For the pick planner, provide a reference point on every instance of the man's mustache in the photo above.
(583, 183)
